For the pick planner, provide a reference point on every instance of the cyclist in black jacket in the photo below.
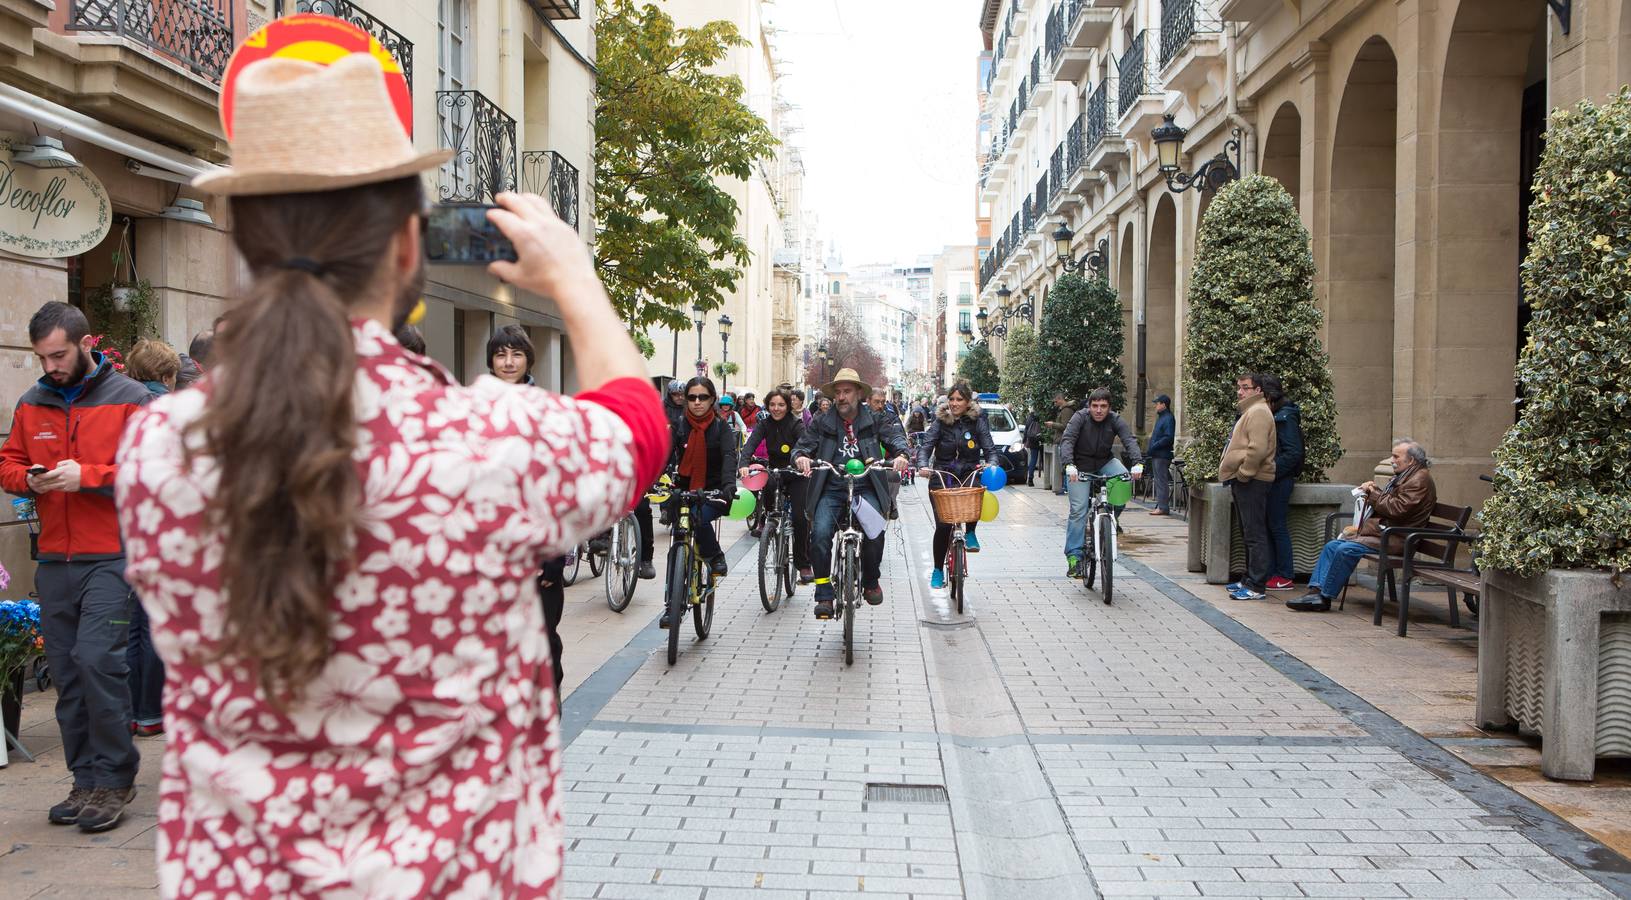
(958, 440)
(779, 430)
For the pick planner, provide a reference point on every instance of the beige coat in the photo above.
(1250, 453)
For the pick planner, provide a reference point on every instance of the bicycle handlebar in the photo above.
(959, 480)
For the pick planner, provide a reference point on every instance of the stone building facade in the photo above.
(1406, 130)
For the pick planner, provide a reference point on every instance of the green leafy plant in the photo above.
(1563, 472)
(125, 309)
(979, 368)
(1252, 309)
(723, 369)
(1019, 367)
(668, 133)
(1079, 347)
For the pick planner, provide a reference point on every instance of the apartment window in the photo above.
(963, 323)
(835, 287)
(452, 74)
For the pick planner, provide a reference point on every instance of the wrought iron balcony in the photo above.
(1096, 122)
(555, 9)
(547, 173)
(1036, 68)
(482, 138)
(196, 34)
(1182, 20)
(1045, 187)
(1056, 166)
(1137, 72)
(1075, 145)
(400, 48)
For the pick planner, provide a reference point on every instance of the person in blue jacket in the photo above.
(1288, 464)
(1159, 452)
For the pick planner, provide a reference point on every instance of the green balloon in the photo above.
(854, 466)
(743, 505)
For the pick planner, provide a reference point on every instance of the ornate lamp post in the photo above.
(724, 353)
(696, 316)
(1096, 260)
(826, 359)
(1213, 174)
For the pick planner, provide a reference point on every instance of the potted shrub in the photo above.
(1078, 350)
(1252, 308)
(1554, 648)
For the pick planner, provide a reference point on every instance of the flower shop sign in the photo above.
(51, 213)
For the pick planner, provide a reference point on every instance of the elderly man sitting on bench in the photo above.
(1407, 501)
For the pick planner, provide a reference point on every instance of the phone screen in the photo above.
(459, 233)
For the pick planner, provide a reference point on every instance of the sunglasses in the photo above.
(698, 398)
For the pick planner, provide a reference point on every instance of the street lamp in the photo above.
(1213, 174)
(1097, 260)
(826, 374)
(698, 311)
(724, 353)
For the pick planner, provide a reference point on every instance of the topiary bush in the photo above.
(1251, 309)
(1019, 367)
(979, 369)
(1563, 472)
(1079, 347)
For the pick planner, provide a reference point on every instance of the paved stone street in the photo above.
(1042, 745)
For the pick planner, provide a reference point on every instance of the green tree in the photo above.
(1563, 472)
(1251, 309)
(979, 368)
(1019, 368)
(666, 128)
(1079, 347)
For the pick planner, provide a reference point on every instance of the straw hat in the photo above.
(299, 126)
(850, 376)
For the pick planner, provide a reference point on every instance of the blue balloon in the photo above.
(994, 478)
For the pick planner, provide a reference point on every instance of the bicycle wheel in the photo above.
(569, 573)
(677, 591)
(1107, 554)
(959, 571)
(1090, 555)
(702, 612)
(850, 605)
(770, 573)
(622, 564)
(597, 561)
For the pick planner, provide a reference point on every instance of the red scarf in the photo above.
(694, 464)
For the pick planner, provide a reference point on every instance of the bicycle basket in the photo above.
(960, 504)
(1118, 491)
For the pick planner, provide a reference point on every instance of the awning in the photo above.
(92, 131)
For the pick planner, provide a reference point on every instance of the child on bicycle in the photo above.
(779, 430)
(1087, 446)
(957, 441)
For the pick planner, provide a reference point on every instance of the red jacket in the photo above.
(47, 429)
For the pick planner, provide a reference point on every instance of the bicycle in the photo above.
(690, 583)
(957, 506)
(622, 562)
(846, 551)
(575, 558)
(777, 576)
(1100, 546)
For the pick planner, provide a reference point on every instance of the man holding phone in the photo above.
(61, 451)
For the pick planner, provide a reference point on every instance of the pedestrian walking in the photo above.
(1033, 447)
(1247, 468)
(1054, 431)
(61, 451)
(1159, 453)
(1288, 464)
(337, 541)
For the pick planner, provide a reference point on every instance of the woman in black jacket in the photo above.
(704, 459)
(1288, 464)
(779, 429)
(957, 441)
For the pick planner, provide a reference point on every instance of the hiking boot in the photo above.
(1073, 567)
(1280, 584)
(105, 808)
(67, 812)
(937, 579)
(647, 571)
(971, 543)
(717, 566)
(873, 595)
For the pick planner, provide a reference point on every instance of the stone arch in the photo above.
(1283, 150)
(1161, 301)
(1361, 301)
(1126, 287)
(1460, 398)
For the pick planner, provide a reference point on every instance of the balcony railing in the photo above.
(555, 9)
(547, 173)
(1180, 21)
(400, 48)
(1096, 121)
(196, 34)
(1137, 72)
(1027, 219)
(1075, 147)
(482, 138)
(1036, 68)
(1056, 166)
(1046, 187)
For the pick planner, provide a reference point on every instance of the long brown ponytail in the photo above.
(279, 423)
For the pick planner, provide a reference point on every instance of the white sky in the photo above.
(886, 94)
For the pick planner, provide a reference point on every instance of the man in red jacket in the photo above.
(61, 451)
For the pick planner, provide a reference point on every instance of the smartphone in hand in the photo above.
(37, 471)
(459, 234)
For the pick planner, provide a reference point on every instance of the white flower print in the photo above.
(346, 702)
(432, 597)
(229, 783)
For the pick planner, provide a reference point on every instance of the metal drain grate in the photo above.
(906, 793)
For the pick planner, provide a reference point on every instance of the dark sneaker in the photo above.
(717, 566)
(823, 609)
(663, 622)
(1310, 602)
(105, 808)
(647, 571)
(67, 812)
(873, 595)
(806, 575)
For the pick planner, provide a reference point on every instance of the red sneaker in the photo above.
(1281, 584)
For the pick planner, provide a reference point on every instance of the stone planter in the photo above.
(1215, 544)
(1554, 658)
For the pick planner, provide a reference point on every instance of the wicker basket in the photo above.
(954, 505)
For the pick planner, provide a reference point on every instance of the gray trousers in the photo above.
(1161, 472)
(85, 611)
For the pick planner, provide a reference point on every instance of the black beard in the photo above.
(81, 368)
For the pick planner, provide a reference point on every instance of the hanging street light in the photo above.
(1096, 260)
(1213, 174)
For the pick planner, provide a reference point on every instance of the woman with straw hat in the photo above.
(336, 541)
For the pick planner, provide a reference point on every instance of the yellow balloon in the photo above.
(418, 313)
(988, 507)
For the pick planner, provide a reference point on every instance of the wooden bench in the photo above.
(1428, 553)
